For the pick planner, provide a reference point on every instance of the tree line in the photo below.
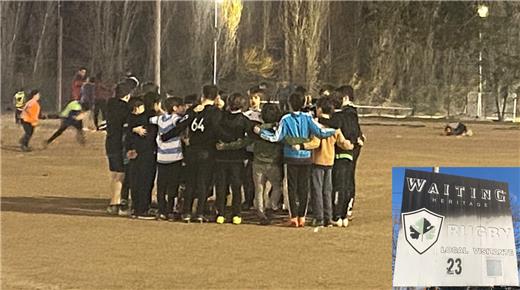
(419, 54)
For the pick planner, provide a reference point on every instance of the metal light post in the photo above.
(483, 12)
(215, 42)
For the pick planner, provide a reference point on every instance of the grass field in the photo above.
(55, 234)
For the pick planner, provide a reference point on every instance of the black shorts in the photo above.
(115, 163)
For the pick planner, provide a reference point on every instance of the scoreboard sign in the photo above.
(455, 231)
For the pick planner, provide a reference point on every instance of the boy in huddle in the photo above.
(230, 163)
(140, 152)
(267, 165)
(169, 157)
(294, 128)
(323, 160)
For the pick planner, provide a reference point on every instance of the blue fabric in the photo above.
(296, 125)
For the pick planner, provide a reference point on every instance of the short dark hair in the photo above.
(237, 101)
(125, 87)
(82, 68)
(271, 113)
(345, 91)
(135, 102)
(326, 105)
(210, 92)
(32, 94)
(149, 87)
(336, 99)
(171, 102)
(297, 101)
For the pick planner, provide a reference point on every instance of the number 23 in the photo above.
(451, 263)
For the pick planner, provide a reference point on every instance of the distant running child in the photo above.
(29, 118)
(72, 115)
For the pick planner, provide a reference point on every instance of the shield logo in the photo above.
(421, 228)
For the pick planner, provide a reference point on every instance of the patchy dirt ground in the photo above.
(55, 234)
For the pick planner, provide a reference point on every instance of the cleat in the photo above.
(221, 219)
(338, 223)
(123, 212)
(162, 217)
(201, 219)
(345, 222)
(237, 220)
(113, 209)
(186, 218)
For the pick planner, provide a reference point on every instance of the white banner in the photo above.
(455, 231)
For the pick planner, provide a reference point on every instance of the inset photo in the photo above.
(455, 226)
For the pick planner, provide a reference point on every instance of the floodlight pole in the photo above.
(157, 74)
(215, 44)
(479, 99)
(60, 60)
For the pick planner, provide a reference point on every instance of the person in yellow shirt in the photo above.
(323, 160)
(29, 118)
(19, 102)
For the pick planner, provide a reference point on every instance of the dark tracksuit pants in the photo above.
(64, 125)
(100, 106)
(125, 189)
(357, 151)
(199, 167)
(17, 114)
(168, 182)
(229, 173)
(142, 173)
(298, 181)
(342, 173)
(28, 132)
(249, 183)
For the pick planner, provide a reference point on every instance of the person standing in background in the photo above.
(101, 95)
(88, 92)
(77, 83)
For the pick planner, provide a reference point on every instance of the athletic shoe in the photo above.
(328, 223)
(186, 218)
(162, 217)
(301, 222)
(317, 223)
(345, 222)
(265, 221)
(221, 219)
(123, 212)
(350, 209)
(146, 217)
(25, 148)
(171, 217)
(293, 222)
(201, 219)
(113, 209)
(237, 220)
(338, 223)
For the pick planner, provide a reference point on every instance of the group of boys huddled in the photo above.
(227, 144)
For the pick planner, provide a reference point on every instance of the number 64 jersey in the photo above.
(454, 231)
(203, 128)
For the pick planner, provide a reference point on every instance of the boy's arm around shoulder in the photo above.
(320, 132)
(342, 142)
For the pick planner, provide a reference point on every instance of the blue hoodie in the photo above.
(296, 126)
